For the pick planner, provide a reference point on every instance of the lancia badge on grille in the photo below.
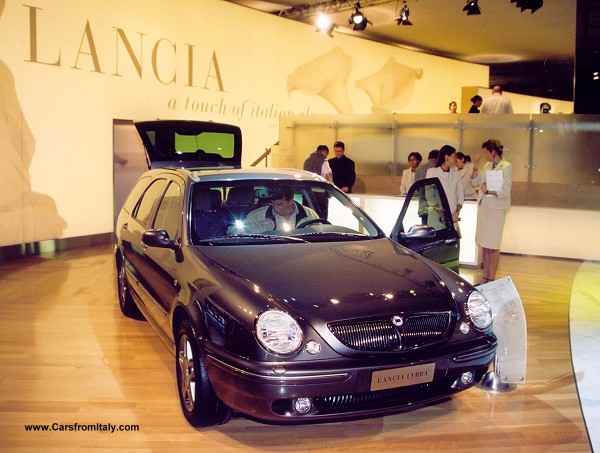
(397, 320)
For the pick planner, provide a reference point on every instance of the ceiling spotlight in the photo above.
(404, 13)
(325, 25)
(472, 8)
(533, 5)
(357, 19)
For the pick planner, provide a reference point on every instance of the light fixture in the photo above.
(324, 24)
(404, 13)
(357, 19)
(472, 8)
(533, 5)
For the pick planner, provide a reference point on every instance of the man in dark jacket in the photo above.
(316, 162)
(342, 168)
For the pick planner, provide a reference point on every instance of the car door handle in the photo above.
(125, 225)
(450, 241)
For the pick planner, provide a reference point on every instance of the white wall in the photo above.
(72, 67)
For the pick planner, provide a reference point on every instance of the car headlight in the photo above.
(479, 310)
(278, 332)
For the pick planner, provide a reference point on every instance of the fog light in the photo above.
(302, 405)
(313, 347)
(279, 370)
(464, 328)
(466, 378)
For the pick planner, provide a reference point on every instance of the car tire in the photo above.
(126, 303)
(200, 406)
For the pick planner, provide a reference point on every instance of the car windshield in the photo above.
(267, 212)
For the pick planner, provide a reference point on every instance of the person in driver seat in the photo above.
(282, 214)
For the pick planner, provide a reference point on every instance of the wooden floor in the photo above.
(68, 357)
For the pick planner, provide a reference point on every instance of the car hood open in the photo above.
(326, 280)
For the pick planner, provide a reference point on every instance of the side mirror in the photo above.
(158, 238)
(419, 232)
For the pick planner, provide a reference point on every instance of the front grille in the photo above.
(399, 397)
(392, 398)
(379, 401)
(417, 330)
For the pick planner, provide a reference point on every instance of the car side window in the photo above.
(135, 193)
(169, 212)
(425, 208)
(145, 206)
(436, 216)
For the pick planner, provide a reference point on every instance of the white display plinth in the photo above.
(510, 328)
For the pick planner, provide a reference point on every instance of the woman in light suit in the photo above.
(495, 181)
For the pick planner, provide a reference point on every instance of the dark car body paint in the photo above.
(223, 288)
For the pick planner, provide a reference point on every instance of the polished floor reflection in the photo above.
(70, 359)
(585, 345)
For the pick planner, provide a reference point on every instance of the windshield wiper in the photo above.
(275, 237)
(257, 237)
(325, 234)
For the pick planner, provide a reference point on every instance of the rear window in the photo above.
(207, 142)
(191, 143)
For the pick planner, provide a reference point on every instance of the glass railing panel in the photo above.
(566, 161)
(369, 142)
(514, 132)
(423, 133)
(556, 162)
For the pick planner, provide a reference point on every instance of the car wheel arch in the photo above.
(126, 302)
(192, 314)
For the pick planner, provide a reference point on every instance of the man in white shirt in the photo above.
(283, 214)
(497, 103)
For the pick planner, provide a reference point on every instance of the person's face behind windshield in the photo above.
(283, 207)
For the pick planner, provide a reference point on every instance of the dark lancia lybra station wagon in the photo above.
(319, 316)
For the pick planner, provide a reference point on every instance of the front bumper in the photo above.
(338, 388)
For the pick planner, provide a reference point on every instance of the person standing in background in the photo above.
(476, 101)
(545, 107)
(496, 185)
(408, 175)
(465, 168)
(421, 171)
(316, 162)
(497, 103)
(343, 168)
(445, 170)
